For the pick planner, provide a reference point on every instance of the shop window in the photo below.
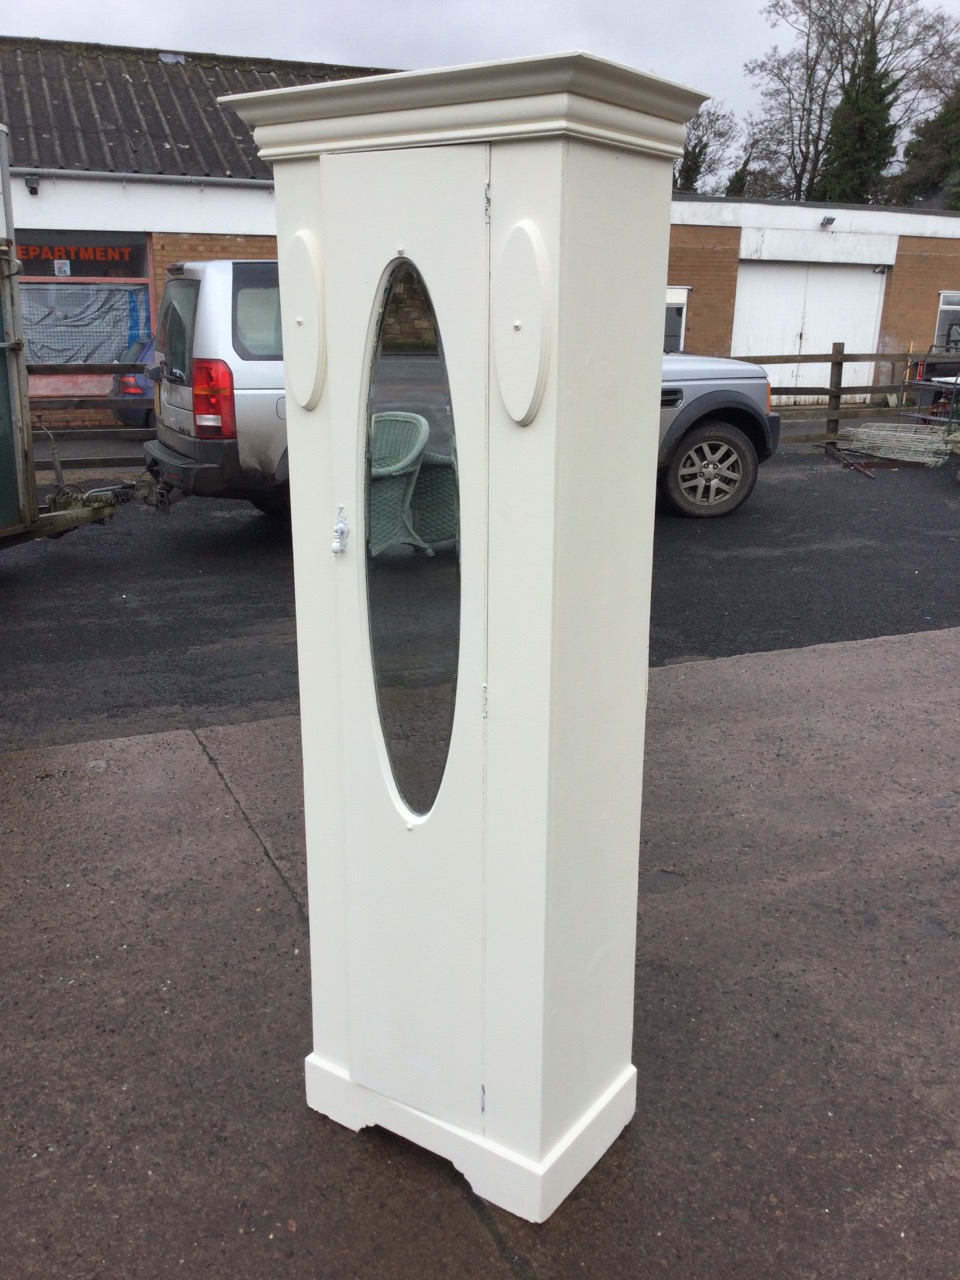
(85, 295)
(82, 323)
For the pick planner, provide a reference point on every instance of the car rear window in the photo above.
(136, 353)
(175, 324)
(256, 311)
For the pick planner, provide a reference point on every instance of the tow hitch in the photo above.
(158, 494)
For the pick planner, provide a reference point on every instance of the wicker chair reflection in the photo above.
(397, 443)
(436, 499)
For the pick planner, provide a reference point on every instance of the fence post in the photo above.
(836, 383)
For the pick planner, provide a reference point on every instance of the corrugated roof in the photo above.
(105, 108)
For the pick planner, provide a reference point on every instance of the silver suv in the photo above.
(220, 404)
(715, 429)
(221, 429)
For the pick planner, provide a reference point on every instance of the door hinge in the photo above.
(486, 203)
(483, 1098)
(484, 702)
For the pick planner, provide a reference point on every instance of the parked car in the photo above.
(221, 429)
(135, 388)
(220, 426)
(715, 429)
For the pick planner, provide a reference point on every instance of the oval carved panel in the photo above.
(520, 320)
(305, 345)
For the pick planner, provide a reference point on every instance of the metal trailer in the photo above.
(22, 516)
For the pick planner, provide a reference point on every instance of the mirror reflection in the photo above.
(413, 538)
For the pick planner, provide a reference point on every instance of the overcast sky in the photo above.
(702, 43)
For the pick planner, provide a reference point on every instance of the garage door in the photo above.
(786, 308)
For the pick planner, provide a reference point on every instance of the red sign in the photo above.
(28, 253)
(118, 254)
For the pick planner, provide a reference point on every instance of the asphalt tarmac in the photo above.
(819, 553)
(155, 622)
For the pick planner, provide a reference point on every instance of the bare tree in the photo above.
(799, 89)
(802, 85)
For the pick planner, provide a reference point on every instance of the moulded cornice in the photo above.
(574, 94)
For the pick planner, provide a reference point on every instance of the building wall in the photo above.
(408, 320)
(709, 238)
(117, 204)
(923, 268)
(706, 259)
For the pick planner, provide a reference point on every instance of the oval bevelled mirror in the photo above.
(413, 537)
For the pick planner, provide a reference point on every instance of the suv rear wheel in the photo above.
(278, 507)
(712, 471)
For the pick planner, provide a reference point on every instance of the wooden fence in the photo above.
(898, 361)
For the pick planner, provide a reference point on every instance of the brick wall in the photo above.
(74, 419)
(924, 266)
(408, 319)
(707, 259)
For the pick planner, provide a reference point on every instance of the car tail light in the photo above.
(769, 397)
(129, 385)
(213, 407)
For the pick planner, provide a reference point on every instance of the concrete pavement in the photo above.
(797, 1016)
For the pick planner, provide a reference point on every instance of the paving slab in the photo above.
(155, 1020)
(797, 1018)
